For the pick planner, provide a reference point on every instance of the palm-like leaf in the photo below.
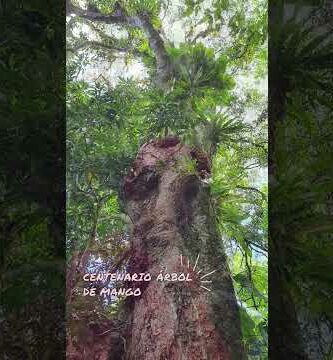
(218, 128)
(303, 59)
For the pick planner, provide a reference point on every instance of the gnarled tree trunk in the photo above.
(174, 222)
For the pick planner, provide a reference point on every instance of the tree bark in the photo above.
(174, 222)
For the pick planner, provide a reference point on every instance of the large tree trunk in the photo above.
(174, 222)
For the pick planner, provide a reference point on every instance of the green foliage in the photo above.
(243, 219)
(301, 184)
(217, 128)
(200, 76)
(200, 84)
(253, 295)
(31, 182)
(131, 7)
(197, 66)
(102, 141)
(34, 245)
(305, 60)
(152, 7)
(307, 214)
(107, 123)
(244, 27)
(186, 166)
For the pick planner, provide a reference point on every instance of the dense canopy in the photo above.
(195, 69)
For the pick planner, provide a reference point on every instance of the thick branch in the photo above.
(201, 34)
(248, 188)
(100, 45)
(163, 65)
(118, 18)
(142, 21)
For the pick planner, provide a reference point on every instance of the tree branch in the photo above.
(97, 44)
(201, 34)
(163, 64)
(249, 188)
(142, 21)
(118, 18)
